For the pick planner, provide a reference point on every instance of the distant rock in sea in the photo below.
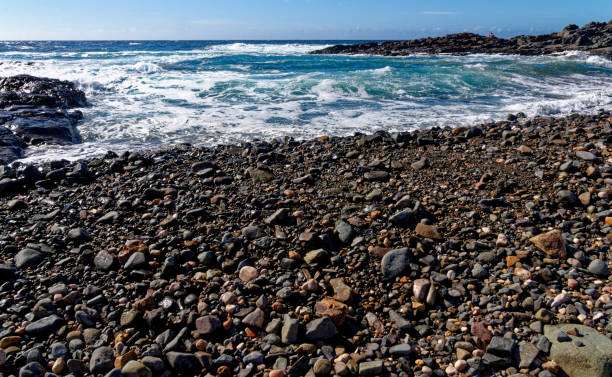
(595, 37)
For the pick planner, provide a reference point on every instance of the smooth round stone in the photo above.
(276, 373)
(58, 366)
(599, 268)
(460, 365)
(322, 367)
(2, 356)
(248, 273)
(451, 370)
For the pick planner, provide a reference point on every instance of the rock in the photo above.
(593, 36)
(155, 364)
(377, 176)
(248, 273)
(592, 359)
(400, 350)
(599, 268)
(289, 331)
(136, 260)
(395, 263)
(568, 199)
(207, 325)
(281, 216)
(586, 156)
(551, 243)
(421, 164)
(44, 325)
(103, 260)
(411, 217)
(7, 271)
(342, 292)
(420, 288)
(28, 258)
(344, 231)
(427, 231)
(255, 319)
(182, 362)
(112, 217)
(501, 346)
(135, 369)
(316, 256)
(261, 175)
(399, 322)
(322, 367)
(544, 315)
(320, 329)
(480, 331)
(371, 368)
(101, 360)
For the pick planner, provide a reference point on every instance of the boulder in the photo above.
(592, 359)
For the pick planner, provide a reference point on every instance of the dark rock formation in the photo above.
(34, 111)
(595, 37)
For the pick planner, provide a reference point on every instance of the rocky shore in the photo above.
(36, 110)
(594, 37)
(472, 251)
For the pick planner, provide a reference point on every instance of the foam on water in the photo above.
(154, 94)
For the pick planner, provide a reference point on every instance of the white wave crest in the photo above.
(265, 48)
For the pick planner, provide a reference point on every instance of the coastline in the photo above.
(594, 37)
(440, 249)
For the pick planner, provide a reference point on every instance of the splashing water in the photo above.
(150, 94)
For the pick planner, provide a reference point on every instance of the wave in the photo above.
(147, 67)
(232, 92)
(587, 58)
(264, 48)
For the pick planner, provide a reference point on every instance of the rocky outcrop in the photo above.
(36, 110)
(595, 37)
(580, 351)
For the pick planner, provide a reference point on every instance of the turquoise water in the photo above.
(152, 94)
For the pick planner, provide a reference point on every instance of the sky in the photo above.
(287, 19)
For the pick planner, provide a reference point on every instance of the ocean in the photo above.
(152, 94)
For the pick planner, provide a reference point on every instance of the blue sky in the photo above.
(288, 19)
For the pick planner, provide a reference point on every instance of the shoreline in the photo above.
(445, 250)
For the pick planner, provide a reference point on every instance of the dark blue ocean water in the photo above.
(147, 94)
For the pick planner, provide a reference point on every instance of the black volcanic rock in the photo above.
(35, 110)
(595, 37)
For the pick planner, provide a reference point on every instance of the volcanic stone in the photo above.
(28, 258)
(320, 329)
(101, 360)
(395, 263)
